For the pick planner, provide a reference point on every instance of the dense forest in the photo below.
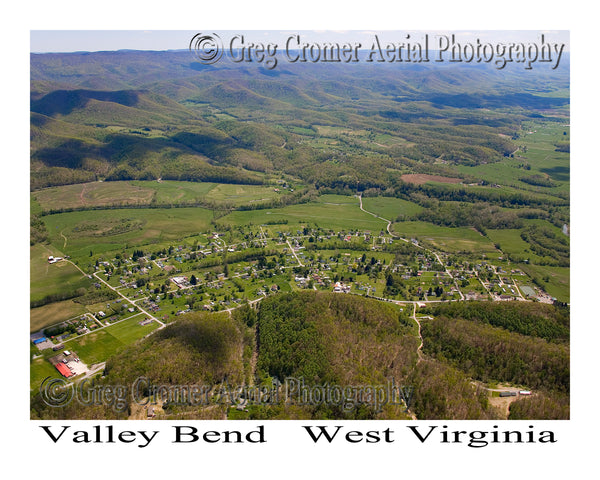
(334, 339)
(519, 343)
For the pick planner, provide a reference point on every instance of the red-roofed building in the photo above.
(64, 370)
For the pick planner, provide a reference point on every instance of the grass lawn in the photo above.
(558, 284)
(39, 369)
(129, 330)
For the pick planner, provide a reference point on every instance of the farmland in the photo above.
(329, 215)
(78, 233)
(144, 193)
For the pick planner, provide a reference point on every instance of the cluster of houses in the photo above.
(340, 287)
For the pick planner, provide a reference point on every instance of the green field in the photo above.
(120, 193)
(337, 199)
(40, 368)
(539, 155)
(447, 239)
(240, 194)
(97, 346)
(510, 241)
(337, 216)
(78, 233)
(554, 280)
(390, 207)
(53, 313)
(50, 279)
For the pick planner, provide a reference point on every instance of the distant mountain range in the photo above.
(139, 114)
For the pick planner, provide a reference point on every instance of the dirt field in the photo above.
(502, 404)
(421, 178)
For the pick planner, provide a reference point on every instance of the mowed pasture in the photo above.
(510, 242)
(93, 194)
(98, 231)
(50, 279)
(53, 313)
(329, 215)
(390, 207)
(448, 239)
(124, 193)
(39, 369)
(97, 346)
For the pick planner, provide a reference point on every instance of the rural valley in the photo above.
(232, 227)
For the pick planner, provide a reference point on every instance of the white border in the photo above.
(289, 453)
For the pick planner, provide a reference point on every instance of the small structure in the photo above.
(528, 291)
(180, 281)
(341, 288)
(64, 370)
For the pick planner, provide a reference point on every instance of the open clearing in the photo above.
(422, 178)
(390, 207)
(462, 239)
(105, 230)
(344, 216)
(53, 313)
(123, 193)
(47, 279)
(97, 346)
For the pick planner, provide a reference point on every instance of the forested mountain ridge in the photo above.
(145, 101)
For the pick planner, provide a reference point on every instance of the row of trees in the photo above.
(543, 241)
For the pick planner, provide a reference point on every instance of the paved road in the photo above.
(389, 223)
(297, 259)
(162, 325)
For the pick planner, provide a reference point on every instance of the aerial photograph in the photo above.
(300, 225)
